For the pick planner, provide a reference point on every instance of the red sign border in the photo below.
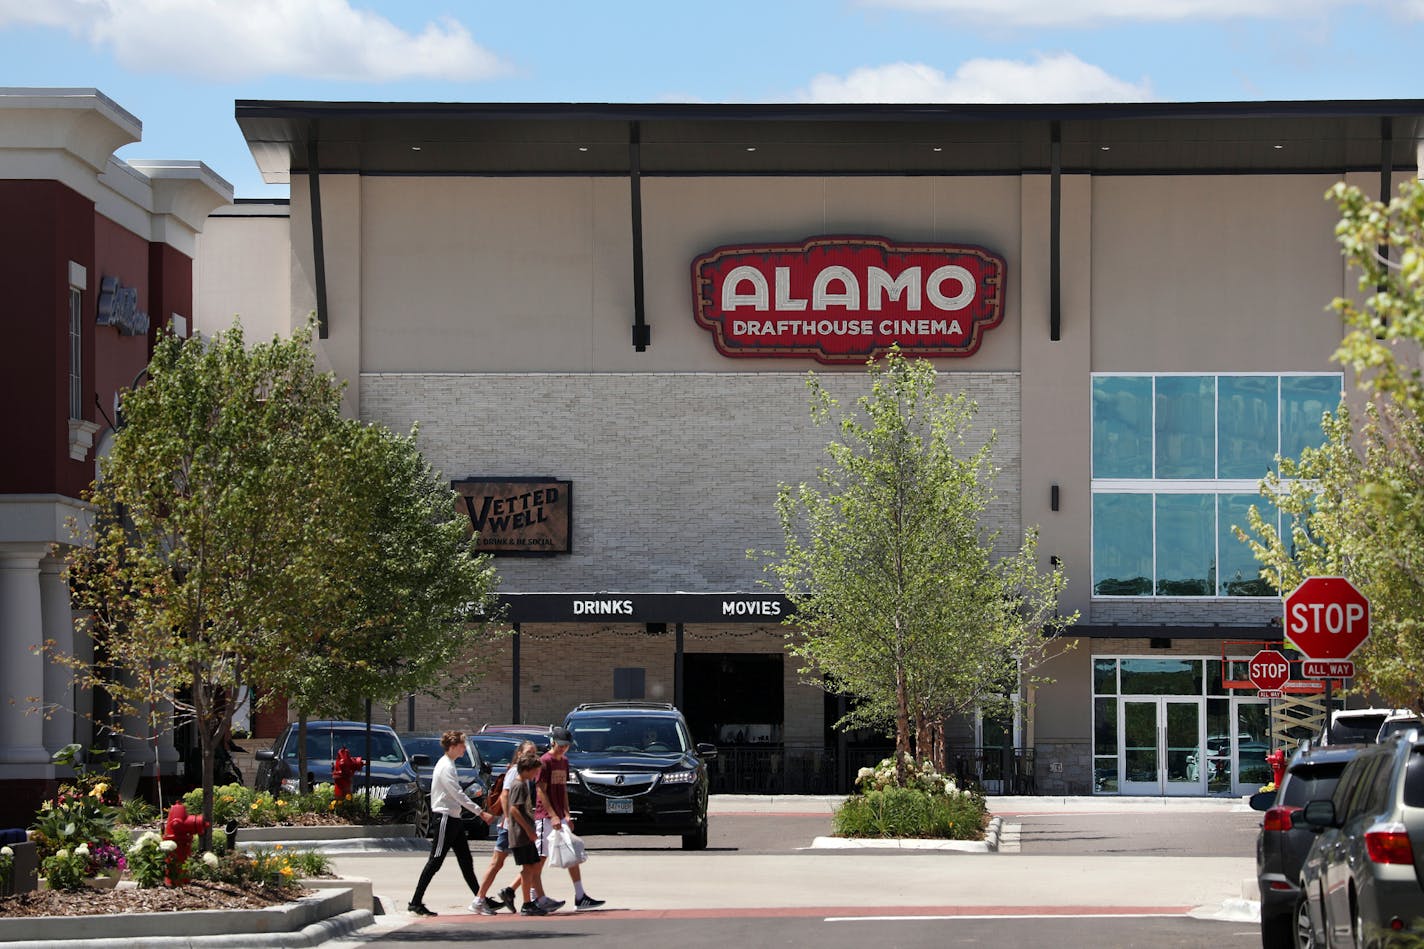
(995, 302)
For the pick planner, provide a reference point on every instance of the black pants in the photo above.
(449, 833)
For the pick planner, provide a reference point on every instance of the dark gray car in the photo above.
(1284, 840)
(1360, 882)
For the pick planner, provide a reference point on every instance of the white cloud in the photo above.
(1071, 12)
(228, 40)
(1059, 78)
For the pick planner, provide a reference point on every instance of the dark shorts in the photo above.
(526, 854)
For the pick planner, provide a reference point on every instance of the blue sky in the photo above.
(179, 64)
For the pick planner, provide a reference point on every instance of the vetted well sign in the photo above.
(845, 299)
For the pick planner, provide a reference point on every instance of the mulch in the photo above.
(202, 895)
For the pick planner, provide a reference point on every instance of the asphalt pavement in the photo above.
(1073, 871)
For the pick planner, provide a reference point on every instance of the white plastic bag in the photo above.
(565, 849)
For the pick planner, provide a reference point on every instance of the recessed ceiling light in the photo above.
(1104, 148)
(415, 148)
(936, 148)
(583, 148)
(751, 148)
(1278, 146)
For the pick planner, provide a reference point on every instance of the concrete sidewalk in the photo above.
(998, 804)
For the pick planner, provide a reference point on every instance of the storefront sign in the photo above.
(768, 608)
(118, 307)
(844, 299)
(518, 516)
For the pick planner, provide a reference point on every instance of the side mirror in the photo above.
(420, 761)
(1262, 800)
(1319, 815)
(705, 751)
(266, 754)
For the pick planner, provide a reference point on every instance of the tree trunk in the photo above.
(941, 753)
(924, 742)
(902, 726)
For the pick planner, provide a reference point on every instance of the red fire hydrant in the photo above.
(345, 765)
(1277, 761)
(181, 829)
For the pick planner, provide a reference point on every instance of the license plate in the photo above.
(615, 806)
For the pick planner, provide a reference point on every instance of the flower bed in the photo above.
(928, 805)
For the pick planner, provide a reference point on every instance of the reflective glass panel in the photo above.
(1105, 774)
(1122, 544)
(1105, 676)
(1239, 573)
(1105, 727)
(1122, 427)
(1139, 742)
(1186, 544)
(1304, 399)
(1218, 742)
(1247, 425)
(1184, 757)
(1186, 427)
(1253, 743)
(1161, 677)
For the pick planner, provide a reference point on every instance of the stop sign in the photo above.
(1327, 618)
(1268, 670)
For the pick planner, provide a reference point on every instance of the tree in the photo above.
(1357, 503)
(235, 506)
(897, 598)
(408, 599)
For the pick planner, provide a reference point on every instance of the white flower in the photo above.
(148, 837)
(6, 852)
(210, 858)
(62, 854)
(82, 850)
(168, 846)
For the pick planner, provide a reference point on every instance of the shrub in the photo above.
(910, 812)
(255, 868)
(149, 860)
(136, 812)
(72, 818)
(66, 869)
(7, 867)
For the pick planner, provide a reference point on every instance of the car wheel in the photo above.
(1304, 929)
(1357, 926)
(421, 818)
(1278, 931)
(697, 840)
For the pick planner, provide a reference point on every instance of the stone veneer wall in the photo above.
(1187, 611)
(674, 474)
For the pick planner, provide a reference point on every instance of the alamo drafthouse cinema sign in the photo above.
(844, 299)
(518, 516)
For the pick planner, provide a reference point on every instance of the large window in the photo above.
(76, 350)
(1177, 460)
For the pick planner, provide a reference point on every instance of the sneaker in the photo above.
(532, 909)
(506, 896)
(420, 909)
(587, 902)
(485, 907)
(552, 906)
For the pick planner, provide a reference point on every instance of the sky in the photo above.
(178, 65)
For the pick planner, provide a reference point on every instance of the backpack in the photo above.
(494, 805)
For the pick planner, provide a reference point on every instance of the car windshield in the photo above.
(496, 752)
(1399, 725)
(634, 734)
(323, 745)
(427, 745)
(1311, 783)
(1356, 729)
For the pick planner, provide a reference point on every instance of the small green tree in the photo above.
(201, 542)
(897, 598)
(1356, 504)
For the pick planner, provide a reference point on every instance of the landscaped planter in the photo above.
(332, 910)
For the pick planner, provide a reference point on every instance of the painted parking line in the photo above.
(837, 914)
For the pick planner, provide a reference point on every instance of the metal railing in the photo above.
(813, 769)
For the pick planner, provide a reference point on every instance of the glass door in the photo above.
(1161, 751)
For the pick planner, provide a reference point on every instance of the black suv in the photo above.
(1285, 838)
(393, 776)
(633, 769)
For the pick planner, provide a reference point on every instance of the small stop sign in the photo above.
(1327, 618)
(1268, 670)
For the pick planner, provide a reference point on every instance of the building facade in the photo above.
(618, 305)
(97, 256)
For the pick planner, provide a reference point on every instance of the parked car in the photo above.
(469, 767)
(1284, 839)
(1351, 726)
(1359, 883)
(1399, 722)
(633, 769)
(496, 751)
(393, 776)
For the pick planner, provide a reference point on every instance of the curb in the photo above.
(990, 843)
(306, 922)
